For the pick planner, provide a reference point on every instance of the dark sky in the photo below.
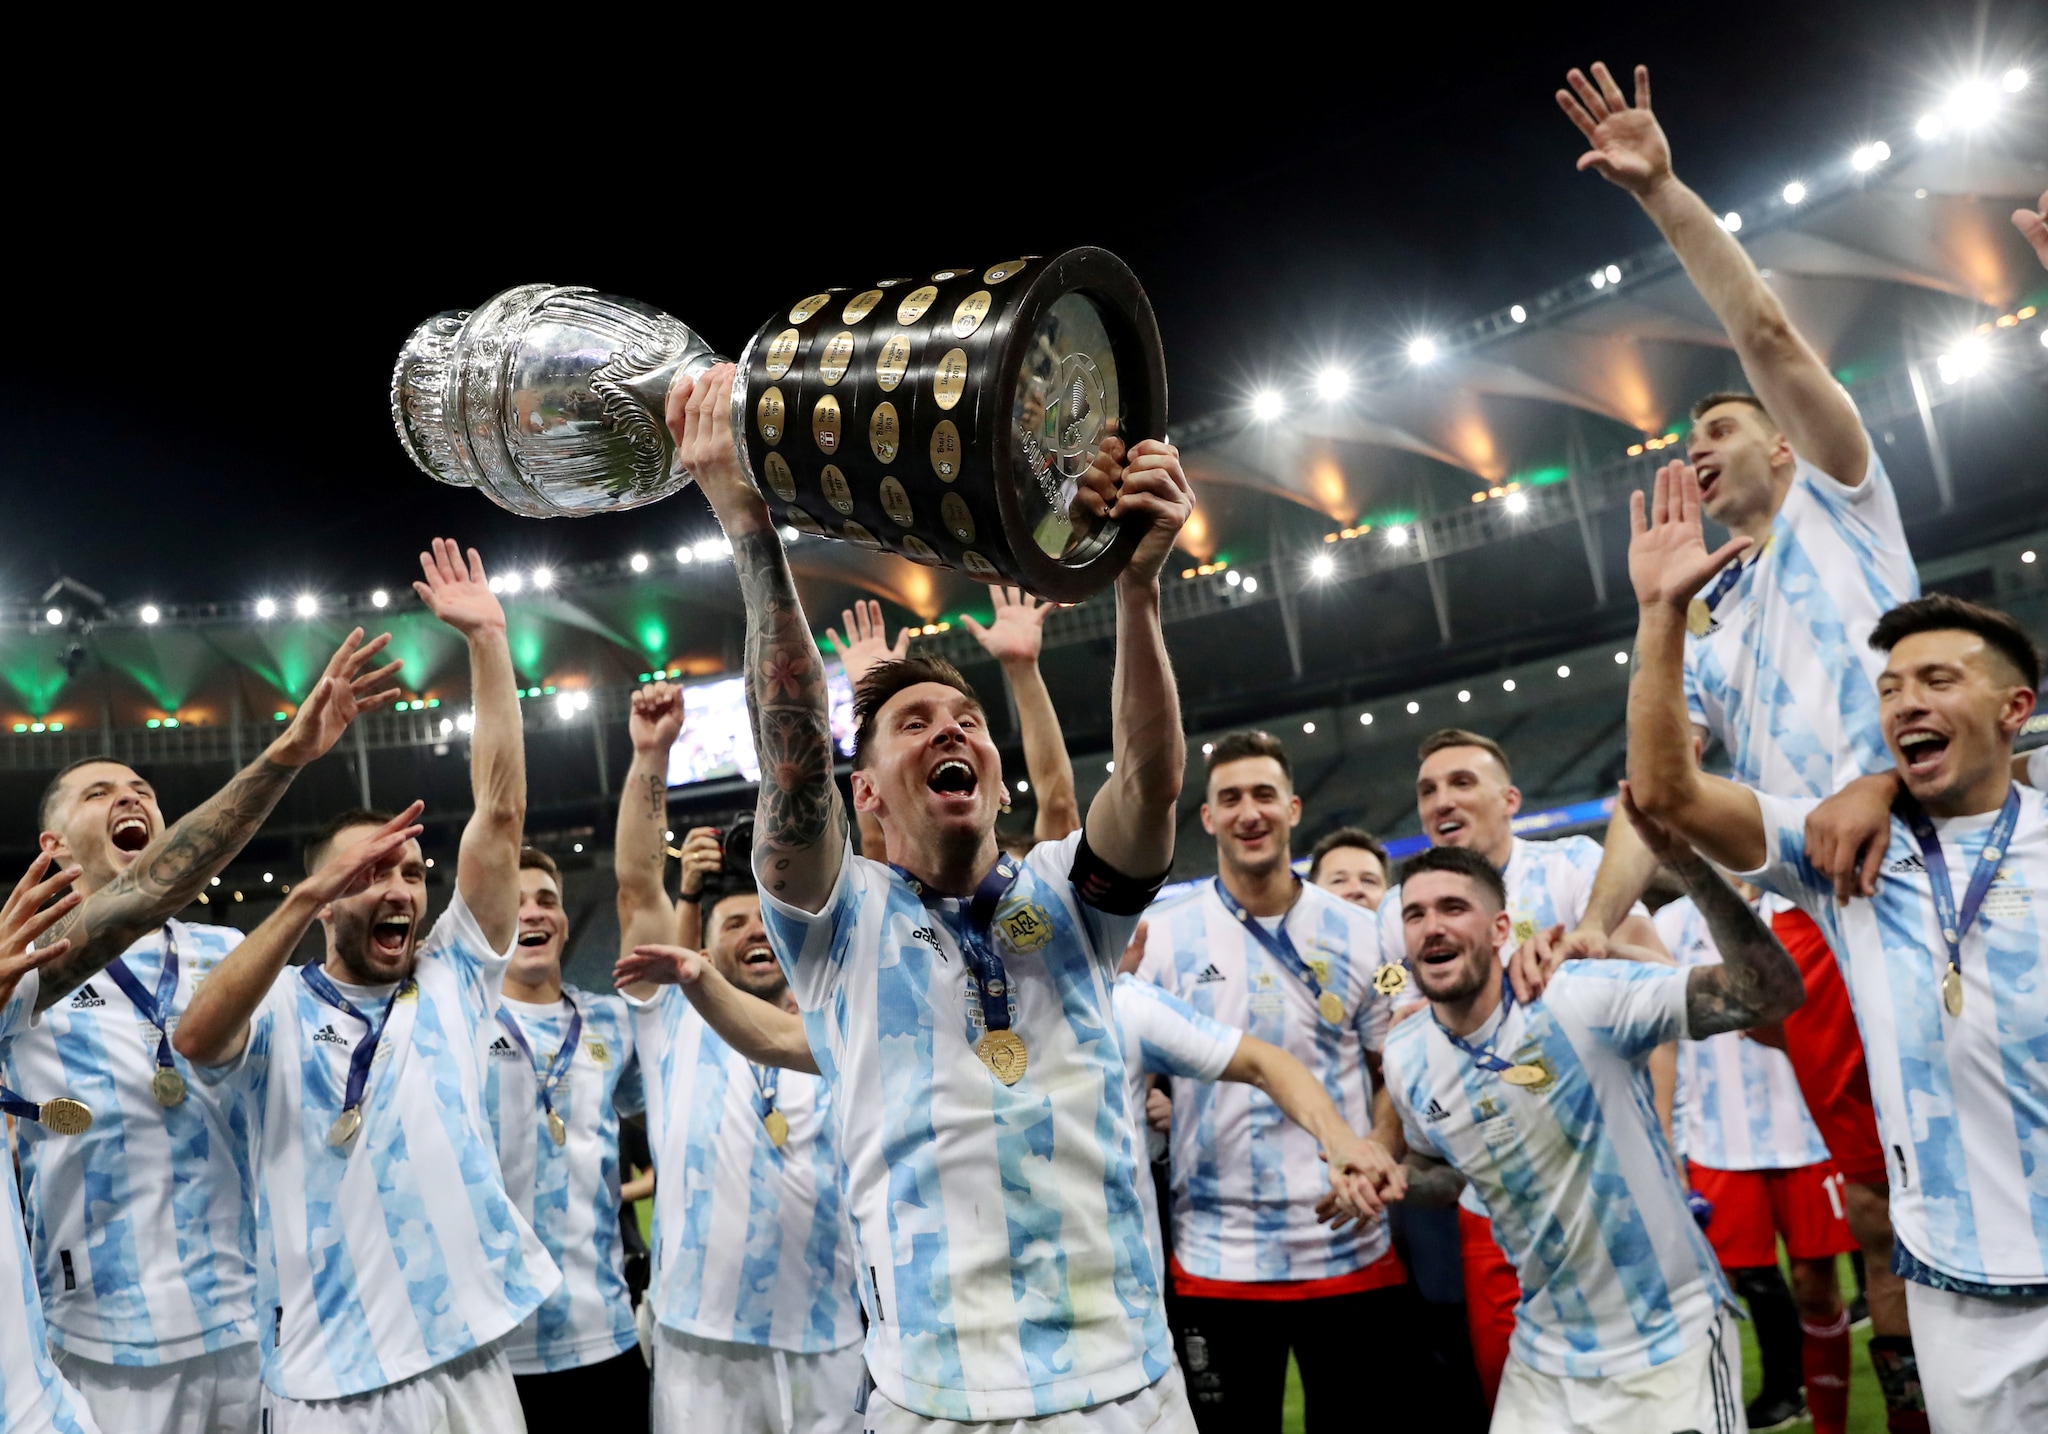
(205, 303)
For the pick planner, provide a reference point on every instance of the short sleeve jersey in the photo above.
(1002, 1243)
(1784, 676)
(568, 1193)
(1962, 1101)
(1164, 1035)
(1738, 1104)
(750, 1240)
(1583, 1190)
(402, 1250)
(34, 1397)
(1246, 1179)
(144, 1226)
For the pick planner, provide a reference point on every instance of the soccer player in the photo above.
(1776, 664)
(958, 999)
(757, 1323)
(391, 1259)
(1352, 864)
(144, 1225)
(1755, 1155)
(1542, 1108)
(1466, 797)
(1943, 960)
(561, 1070)
(1255, 1271)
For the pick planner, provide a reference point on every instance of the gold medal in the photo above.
(1698, 617)
(1390, 980)
(777, 1126)
(344, 1128)
(168, 1087)
(65, 1116)
(1525, 1075)
(1005, 1056)
(1952, 991)
(558, 1129)
(1330, 1008)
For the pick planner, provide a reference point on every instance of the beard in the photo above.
(1461, 981)
(348, 939)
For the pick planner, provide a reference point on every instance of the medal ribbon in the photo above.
(366, 1048)
(557, 1068)
(975, 943)
(1484, 1055)
(1277, 944)
(767, 1081)
(1730, 576)
(1955, 926)
(19, 1106)
(156, 1011)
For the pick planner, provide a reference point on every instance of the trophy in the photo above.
(957, 420)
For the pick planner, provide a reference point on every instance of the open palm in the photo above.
(865, 643)
(1018, 629)
(1668, 559)
(456, 591)
(346, 690)
(1629, 147)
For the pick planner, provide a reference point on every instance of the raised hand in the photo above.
(456, 592)
(1363, 1177)
(656, 719)
(1668, 559)
(347, 870)
(1535, 961)
(659, 966)
(1159, 1110)
(342, 694)
(1846, 835)
(703, 856)
(1018, 630)
(1629, 147)
(2033, 227)
(868, 644)
(27, 914)
(1154, 491)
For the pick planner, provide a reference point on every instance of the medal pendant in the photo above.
(1524, 1075)
(558, 1129)
(344, 1128)
(1004, 1055)
(1390, 980)
(1952, 991)
(1698, 617)
(168, 1087)
(65, 1116)
(777, 1126)
(1330, 1008)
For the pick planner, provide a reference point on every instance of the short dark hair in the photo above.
(1729, 395)
(534, 859)
(1459, 861)
(1356, 837)
(1944, 612)
(1444, 737)
(884, 680)
(315, 850)
(721, 886)
(51, 792)
(1236, 746)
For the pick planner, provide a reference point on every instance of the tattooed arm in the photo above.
(169, 872)
(800, 823)
(639, 851)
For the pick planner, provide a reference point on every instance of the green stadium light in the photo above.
(56, 726)
(169, 722)
(21, 726)
(433, 702)
(152, 722)
(277, 716)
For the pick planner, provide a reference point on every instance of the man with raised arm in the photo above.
(1776, 666)
(391, 1260)
(1945, 960)
(757, 1323)
(958, 1000)
(144, 1226)
(1541, 1106)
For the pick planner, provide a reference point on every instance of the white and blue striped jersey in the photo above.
(34, 1397)
(1164, 1035)
(1785, 677)
(144, 1227)
(1583, 1190)
(750, 1241)
(1738, 1105)
(568, 1193)
(1246, 1179)
(400, 1251)
(1002, 1243)
(1962, 1102)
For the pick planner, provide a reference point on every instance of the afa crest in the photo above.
(1026, 926)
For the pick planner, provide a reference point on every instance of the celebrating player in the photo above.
(144, 1225)
(562, 1069)
(391, 1258)
(959, 999)
(757, 1321)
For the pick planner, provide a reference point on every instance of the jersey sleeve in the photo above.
(813, 946)
(456, 939)
(2037, 769)
(629, 1096)
(1873, 498)
(249, 1072)
(19, 1011)
(1174, 1038)
(1786, 869)
(1109, 931)
(1393, 941)
(1630, 1006)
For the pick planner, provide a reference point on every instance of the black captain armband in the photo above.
(1103, 887)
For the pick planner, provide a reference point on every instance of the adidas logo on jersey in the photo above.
(502, 1047)
(1209, 973)
(87, 999)
(327, 1035)
(1436, 1112)
(1905, 865)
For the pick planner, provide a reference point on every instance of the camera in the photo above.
(736, 845)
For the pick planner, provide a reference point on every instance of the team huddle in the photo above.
(1484, 1123)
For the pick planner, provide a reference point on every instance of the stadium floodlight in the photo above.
(1109, 766)
(1422, 349)
(1972, 104)
(638, 562)
(2027, 556)
(1464, 694)
(684, 556)
(1599, 279)
(465, 722)
(565, 703)
(1795, 193)
(1332, 383)
(1519, 314)
(447, 725)
(1233, 577)
(1267, 405)
(496, 584)
(543, 578)
(1413, 708)
(1251, 584)
(1365, 719)
(1518, 502)
(266, 607)
(1507, 684)
(1869, 156)
(306, 605)
(1323, 565)
(1965, 360)
(380, 598)
(151, 613)
(2013, 81)
(55, 617)
(1613, 272)
(2044, 338)
(1621, 659)
(1931, 125)
(1732, 222)
(1397, 536)
(1208, 748)
(1308, 727)
(514, 583)
(1563, 671)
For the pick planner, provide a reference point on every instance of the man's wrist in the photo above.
(1659, 192)
(1135, 587)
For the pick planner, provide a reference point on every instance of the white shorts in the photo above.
(1700, 1390)
(1983, 1361)
(1161, 1407)
(702, 1384)
(207, 1394)
(470, 1395)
